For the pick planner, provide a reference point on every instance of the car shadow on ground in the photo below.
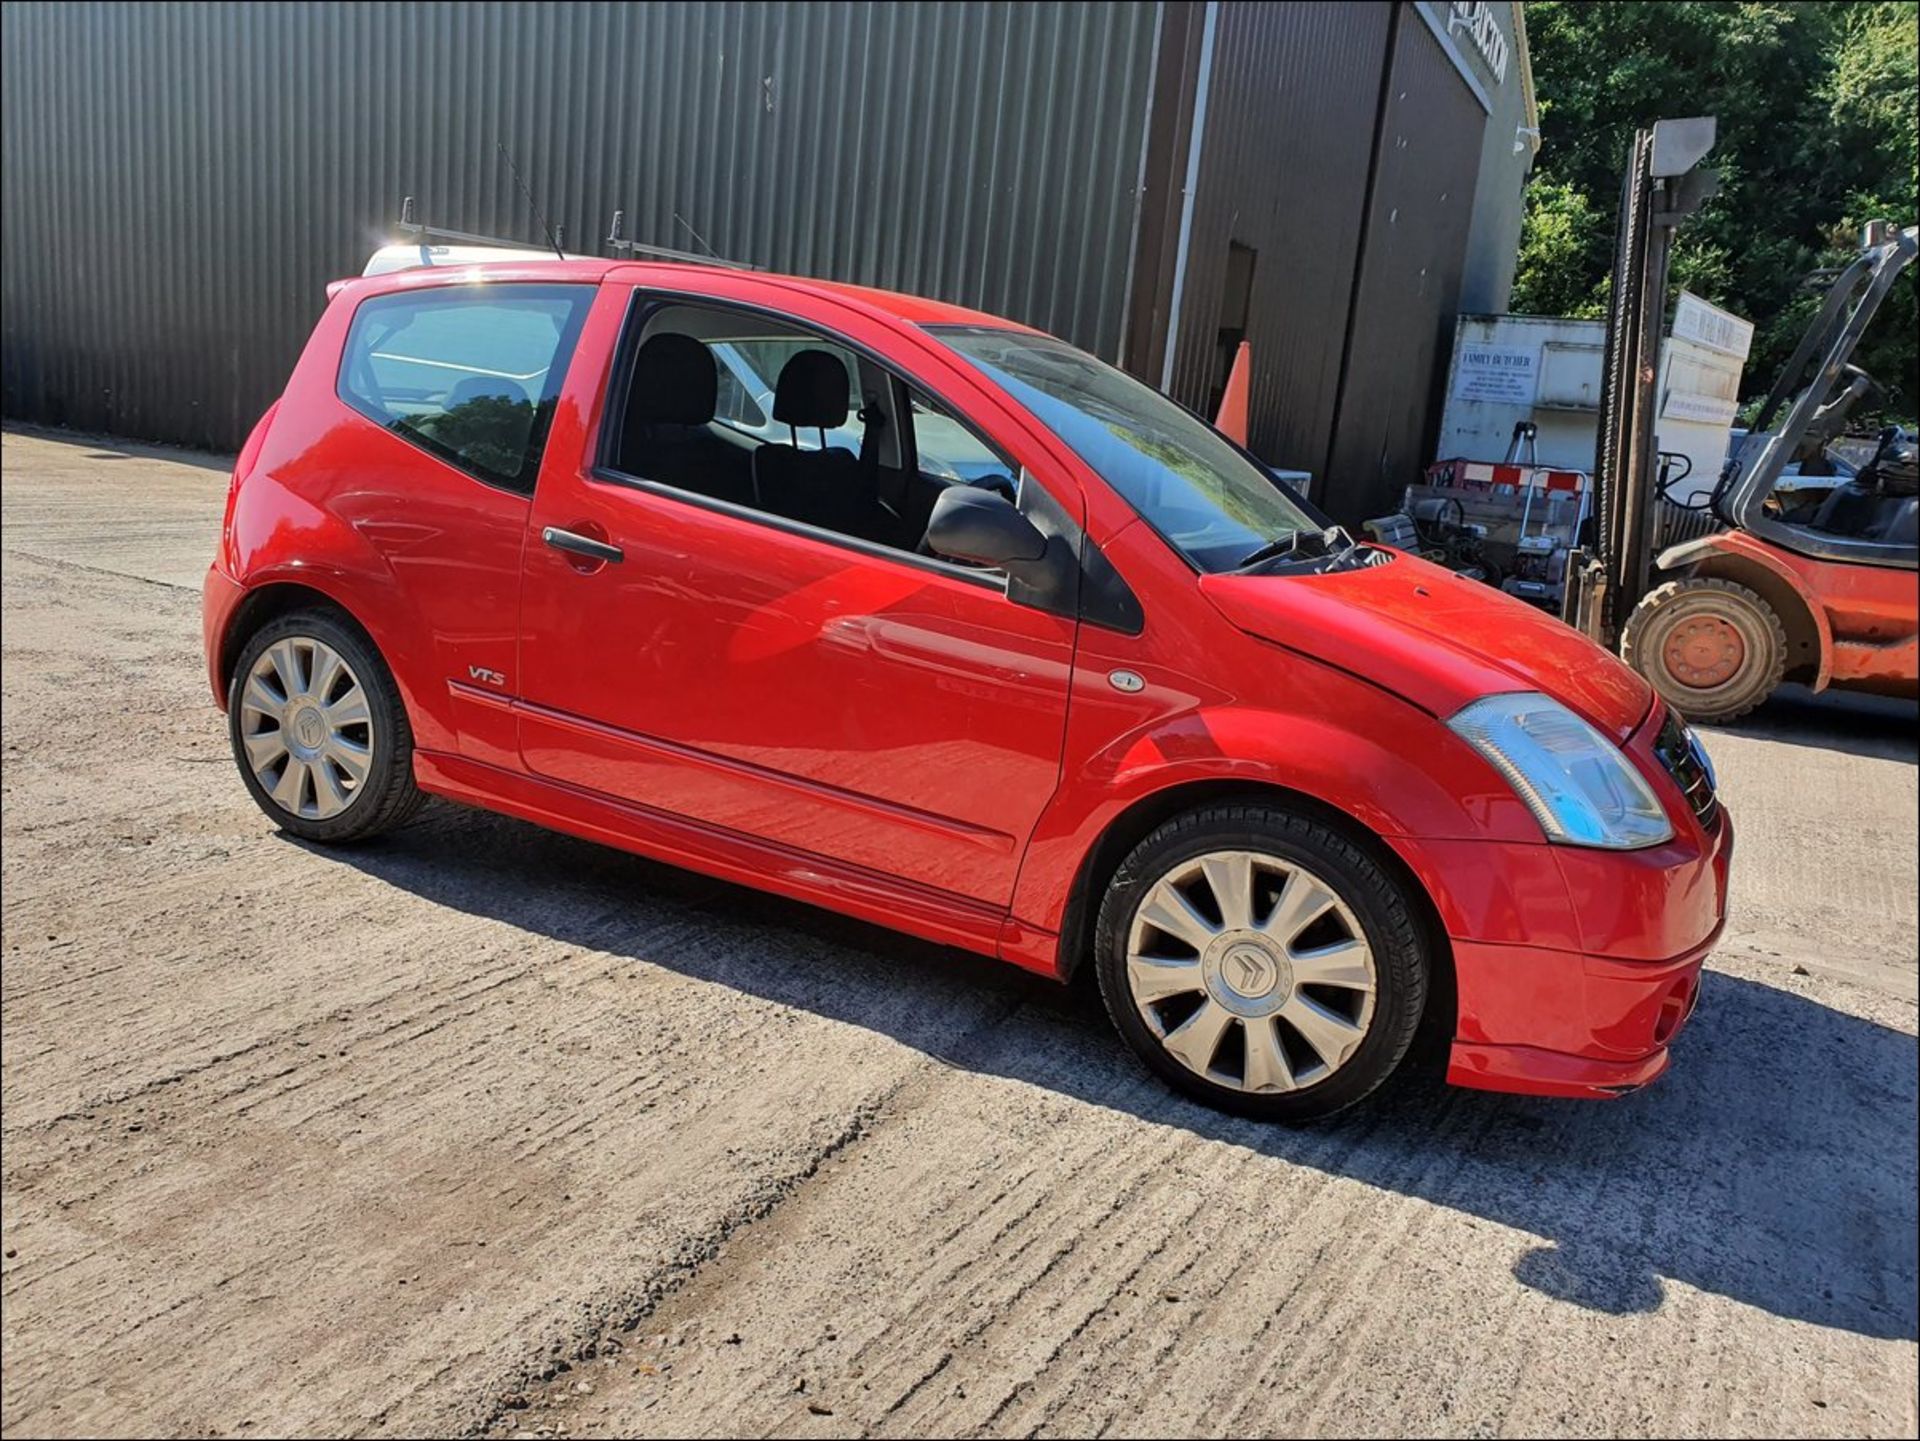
(1775, 1165)
(1861, 725)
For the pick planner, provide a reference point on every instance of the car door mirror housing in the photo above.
(982, 526)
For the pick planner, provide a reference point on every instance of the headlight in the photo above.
(1578, 785)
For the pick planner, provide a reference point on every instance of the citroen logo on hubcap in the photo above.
(1247, 973)
(308, 729)
(1248, 970)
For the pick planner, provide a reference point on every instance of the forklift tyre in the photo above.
(1712, 649)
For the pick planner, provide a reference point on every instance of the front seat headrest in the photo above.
(674, 380)
(812, 390)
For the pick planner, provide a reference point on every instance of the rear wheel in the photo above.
(1262, 962)
(1712, 649)
(319, 731)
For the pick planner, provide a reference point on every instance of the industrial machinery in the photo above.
(1512, 523)
(1813, 583)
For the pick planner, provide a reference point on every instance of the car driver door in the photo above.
(704, 655)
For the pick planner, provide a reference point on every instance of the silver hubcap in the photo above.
(1251, 970)
(306, 728)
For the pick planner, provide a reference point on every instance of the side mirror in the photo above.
(982, 526)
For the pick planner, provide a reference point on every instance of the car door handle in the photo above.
(584, 545)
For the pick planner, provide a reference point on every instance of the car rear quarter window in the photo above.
(468, 373)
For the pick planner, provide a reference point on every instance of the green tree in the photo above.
(1817, 134)
(1563, 241)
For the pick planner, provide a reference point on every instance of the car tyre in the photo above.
(1712, 648)
(1266, 1019)
(319, 731)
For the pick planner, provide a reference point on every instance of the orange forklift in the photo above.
(1816, 578)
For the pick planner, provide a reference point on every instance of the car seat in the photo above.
(827, 487)
(667, 434)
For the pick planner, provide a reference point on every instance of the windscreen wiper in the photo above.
(1327, 544)
(1270, 551)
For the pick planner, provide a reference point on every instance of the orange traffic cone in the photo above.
(1232, 420)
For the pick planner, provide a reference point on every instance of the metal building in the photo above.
(1155, 182)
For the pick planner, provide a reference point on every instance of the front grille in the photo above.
(1677, 754)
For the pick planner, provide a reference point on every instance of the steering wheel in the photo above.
(1857, 386)
(998, 484)
(1830, 419)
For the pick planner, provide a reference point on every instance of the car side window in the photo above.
(946, 451)
(740, 407)
(468, 373)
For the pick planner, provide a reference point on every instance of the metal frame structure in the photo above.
(616, 240)
(1661, 189)
(1819, 407)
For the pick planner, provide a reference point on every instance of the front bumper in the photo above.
(1596, 1027)
(1575, 970)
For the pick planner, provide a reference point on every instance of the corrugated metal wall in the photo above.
(1411, 259)
(181, 180)
(1289, 131)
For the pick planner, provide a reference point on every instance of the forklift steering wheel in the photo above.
(1831, 418)
(1870, 388)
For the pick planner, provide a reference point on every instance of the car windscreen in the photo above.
(1189, 482)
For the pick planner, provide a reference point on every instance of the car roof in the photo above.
(670, 275)
(915, 309)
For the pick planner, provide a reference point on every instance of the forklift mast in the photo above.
(1661, 189)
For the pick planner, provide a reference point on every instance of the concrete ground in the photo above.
(482, 1130)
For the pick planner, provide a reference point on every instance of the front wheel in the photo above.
(1712, 649)
(319, 731)
(1262, 962)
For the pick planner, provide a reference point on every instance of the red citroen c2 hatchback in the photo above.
(929, 618)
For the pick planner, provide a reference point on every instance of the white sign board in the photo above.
(1707, 409)
(1694, 319)
(1502, 374)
